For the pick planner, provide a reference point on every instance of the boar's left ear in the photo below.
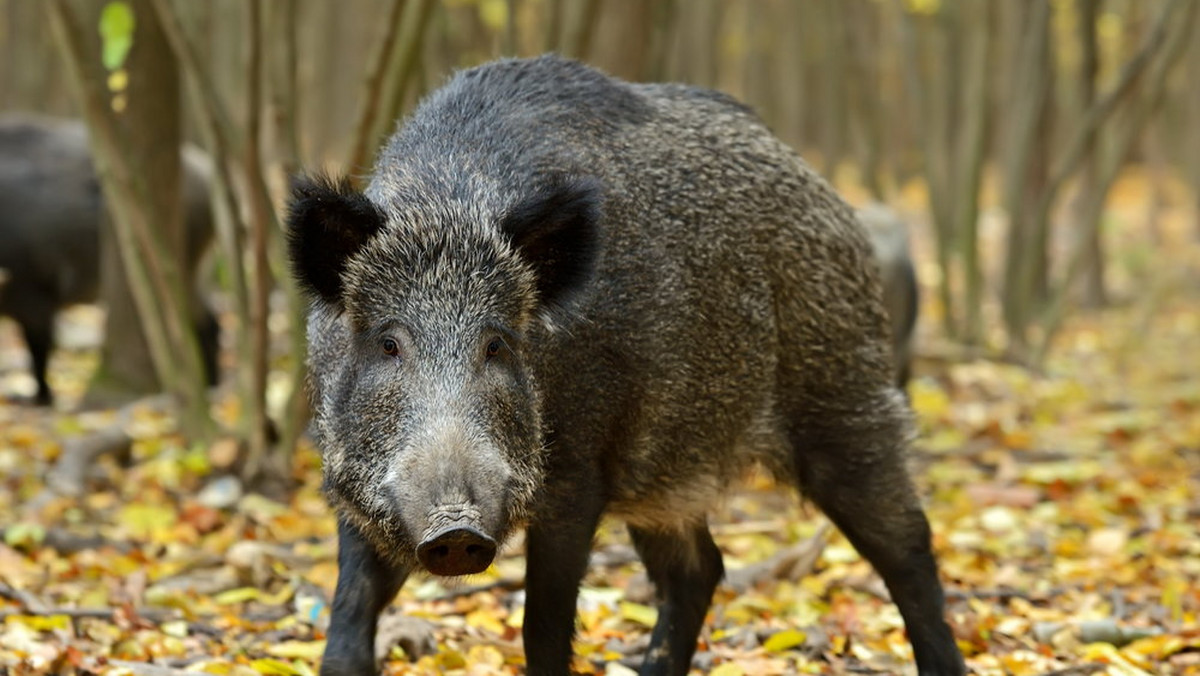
(327, 223)
(556, 230)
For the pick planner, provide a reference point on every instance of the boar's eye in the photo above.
(391, 347)
(494, 347)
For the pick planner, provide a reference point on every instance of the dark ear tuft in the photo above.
(557, 231)
(327, 223)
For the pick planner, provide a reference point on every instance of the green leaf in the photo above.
(24, 535)
(116, 33)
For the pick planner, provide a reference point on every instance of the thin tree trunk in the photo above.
(1093, 291)
(260, 268)
(834, 75)
(862, 91)
(554, 25)
(584, 30)
(663, 14)
(1031, 78)
(405, 70)
(972, 143)
(286, 131)
(381, 68)
(935, 171)
(217, 131)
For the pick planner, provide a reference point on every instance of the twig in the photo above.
(1077, 670)
(790, 564)
(148, 669)
(1006, 594)
(26, 600)
(503, 584)
(69, 473)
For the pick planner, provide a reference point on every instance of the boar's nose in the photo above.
(456, 551)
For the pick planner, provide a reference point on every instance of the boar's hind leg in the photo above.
(366, 585)
(853, 469)
(685, 568)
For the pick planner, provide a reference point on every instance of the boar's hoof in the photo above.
(456, 551)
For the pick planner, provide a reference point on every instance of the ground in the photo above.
(1065, 506)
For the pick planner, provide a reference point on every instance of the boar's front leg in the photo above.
(685, 568)
(366, 585)
(557, 547)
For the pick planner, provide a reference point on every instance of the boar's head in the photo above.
(423, 312)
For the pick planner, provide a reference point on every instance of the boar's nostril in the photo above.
(457, 551)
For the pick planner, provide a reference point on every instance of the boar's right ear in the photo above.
(328, 222)
(556, 230)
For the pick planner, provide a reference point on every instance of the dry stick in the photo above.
(151, 274)
(792, 563)
(147, 669)
(154, 615)
(372, 88)
(1173, 50)
(69, 474)
(22, 598)
(1083, 142)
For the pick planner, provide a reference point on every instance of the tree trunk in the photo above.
(1031, 89)
(149, 123)
(1092, 292)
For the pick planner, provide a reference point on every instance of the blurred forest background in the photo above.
(1002, 129)
(1046, 154)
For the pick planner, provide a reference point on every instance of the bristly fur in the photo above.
(328, 222)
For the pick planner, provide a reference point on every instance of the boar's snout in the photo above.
(456, 550)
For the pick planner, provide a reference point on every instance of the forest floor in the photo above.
(1065, 506)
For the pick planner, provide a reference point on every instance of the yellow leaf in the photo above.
(178, 628)
(239, 595)
(641, 614)
(304, 650)
(40, 623)
(784, 640)
(485, 618)
(275, 668)
(728, 669)
(142, 520)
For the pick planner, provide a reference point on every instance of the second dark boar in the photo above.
(889, 240)
(51, 213)
(562, 295)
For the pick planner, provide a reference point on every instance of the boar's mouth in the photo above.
(456, 542)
